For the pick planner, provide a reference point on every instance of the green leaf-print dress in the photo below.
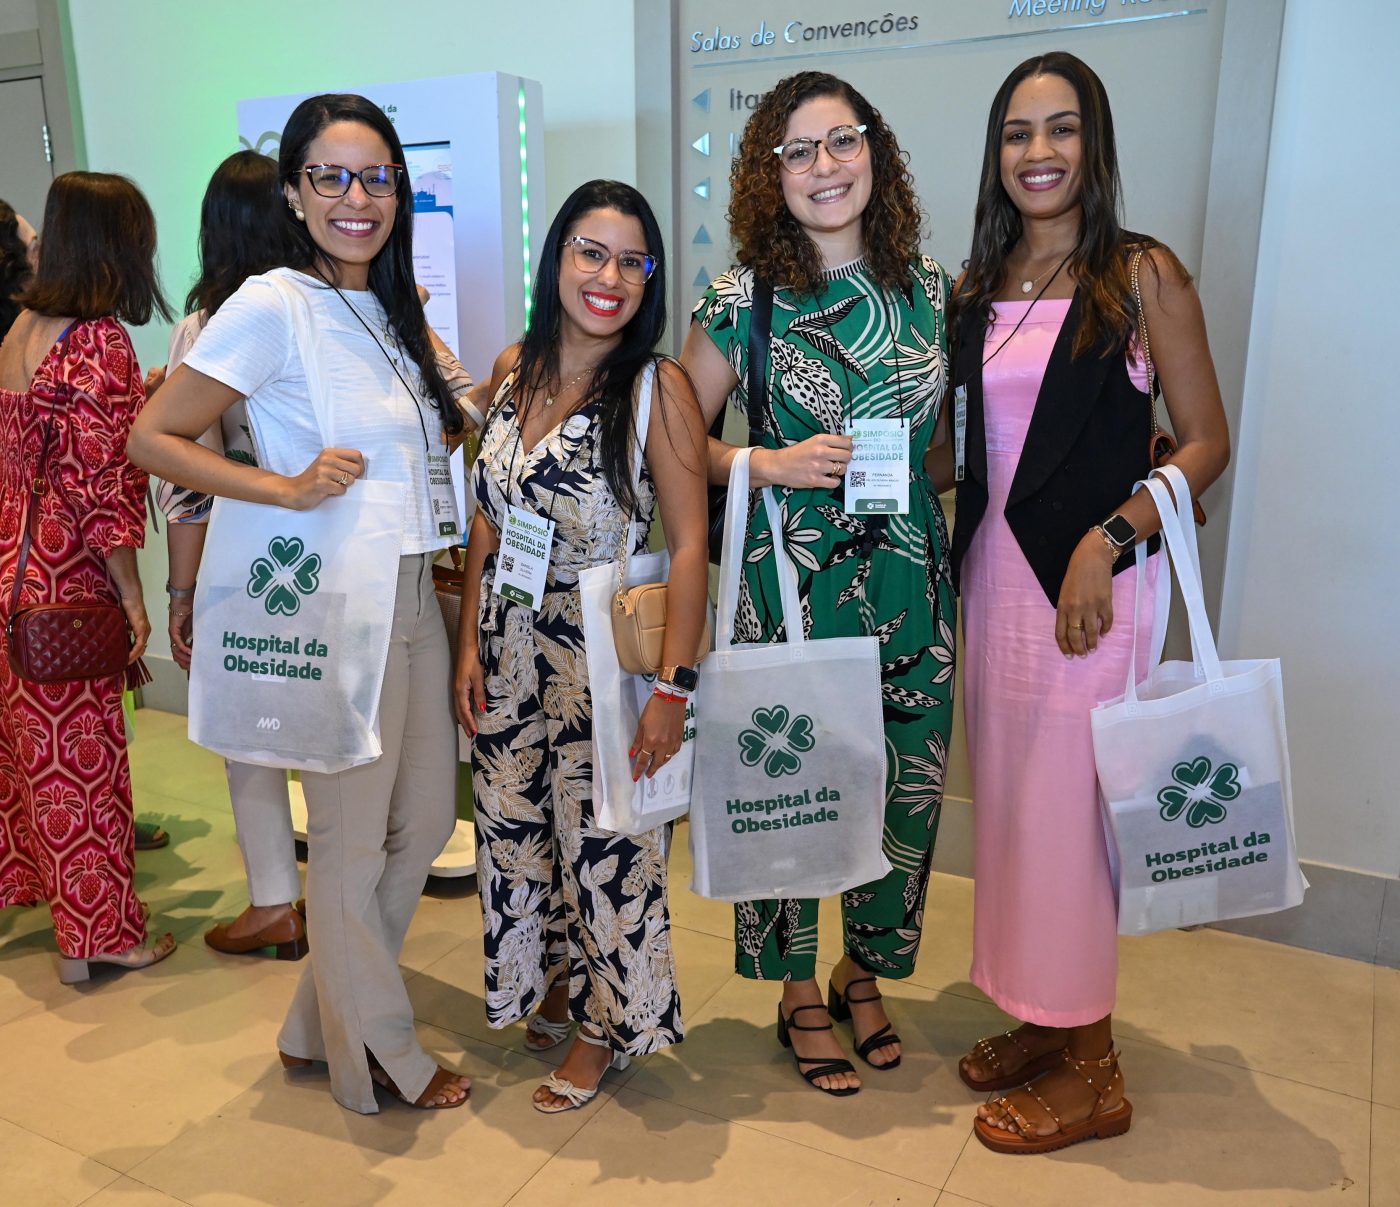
(856, 351)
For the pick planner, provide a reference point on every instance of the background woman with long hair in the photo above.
(1050, 351)
(373, 830)
(576, 924)
(241, 234)
(69, 380)
(823, 213)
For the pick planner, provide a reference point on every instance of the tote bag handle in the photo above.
(299, 314)
(1185, 557)
(731, 565)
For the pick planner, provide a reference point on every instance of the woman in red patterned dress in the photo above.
(66, 825)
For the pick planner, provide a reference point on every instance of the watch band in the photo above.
(684, 677)
(179, 592)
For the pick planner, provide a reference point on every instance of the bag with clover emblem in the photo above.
(1193, 769)
(292, 617)
(789, 797)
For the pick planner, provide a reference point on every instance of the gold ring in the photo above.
(836, 469)
(648, 753)
(344, 478)
(1080, 626)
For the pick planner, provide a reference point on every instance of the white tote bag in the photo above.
(619, 803)
(293, 614)
(790, 751)
(1193, 770)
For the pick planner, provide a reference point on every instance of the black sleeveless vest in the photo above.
(1086, 446)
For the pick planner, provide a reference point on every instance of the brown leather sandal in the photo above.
(1033, 1067)
(1100, 1125)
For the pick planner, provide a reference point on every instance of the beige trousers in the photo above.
(372, 834)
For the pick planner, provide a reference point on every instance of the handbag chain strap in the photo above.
(40, 486)
(1146, 342)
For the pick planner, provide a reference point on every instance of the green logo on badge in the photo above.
(286, 578)
(1199, 792)
(776, 740)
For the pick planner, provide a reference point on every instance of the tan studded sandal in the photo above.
(1100, 1125)
(1033, 1067)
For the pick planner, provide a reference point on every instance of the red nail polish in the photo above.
(481, 708)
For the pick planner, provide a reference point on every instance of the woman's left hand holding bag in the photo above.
(658, 738)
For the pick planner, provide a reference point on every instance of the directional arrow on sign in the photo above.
(702, 189)
(702, 235)
(702, 144)
(702, 280)
(703, 100)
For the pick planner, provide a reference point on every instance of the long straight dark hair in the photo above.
(615, 375)
(391, 271)
(1099, 261)
(241, 230)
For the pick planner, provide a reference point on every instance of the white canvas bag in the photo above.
(1193, 770)
(789, 794)
(619, 803)
(293, 613)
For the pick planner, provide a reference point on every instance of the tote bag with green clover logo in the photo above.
(293, 613)
(789, 791)
(1193, 769)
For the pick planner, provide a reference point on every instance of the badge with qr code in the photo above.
(877, 479)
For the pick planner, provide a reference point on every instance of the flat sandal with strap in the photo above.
(839, 1005)
(1100, 1125)
(823, 1068)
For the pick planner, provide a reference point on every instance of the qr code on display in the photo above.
(507, 563)
(857, 478)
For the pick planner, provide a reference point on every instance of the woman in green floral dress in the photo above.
(857, 333)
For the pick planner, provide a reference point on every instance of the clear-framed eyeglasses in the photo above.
(590, 256)
(842, 143)
(333, 180)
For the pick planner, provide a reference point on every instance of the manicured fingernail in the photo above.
(632, 754)
(481, 707)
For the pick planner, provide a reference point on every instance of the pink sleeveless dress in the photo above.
(1045, 933)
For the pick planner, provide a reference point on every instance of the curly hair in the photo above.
(770, 241)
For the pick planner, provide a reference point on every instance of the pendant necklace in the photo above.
(1027, 286)
(551, 399)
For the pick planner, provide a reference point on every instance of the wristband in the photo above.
(669, 698)
(179, 592)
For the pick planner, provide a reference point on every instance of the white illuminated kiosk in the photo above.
(474, 150)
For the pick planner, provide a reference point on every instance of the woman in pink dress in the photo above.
(1058, 431)
(66, 826)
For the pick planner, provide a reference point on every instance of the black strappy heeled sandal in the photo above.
(825, 1068)
(839, 1007)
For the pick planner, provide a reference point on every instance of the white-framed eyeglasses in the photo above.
(590, 256)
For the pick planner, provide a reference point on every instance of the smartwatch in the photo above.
(1119, 533)
(684, 677)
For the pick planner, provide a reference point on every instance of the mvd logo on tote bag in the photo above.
(1193, 768)
(789, 796)
(293, 614)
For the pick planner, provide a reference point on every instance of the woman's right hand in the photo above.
(818, 463)
(469, 692)
(328, 476)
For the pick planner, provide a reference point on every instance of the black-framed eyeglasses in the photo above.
(333, 180)
(590, 256)
(842, 143)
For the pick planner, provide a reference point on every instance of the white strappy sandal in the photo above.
(573, 1096)
(540, 1027)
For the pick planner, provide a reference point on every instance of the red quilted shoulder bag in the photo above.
(55, 642)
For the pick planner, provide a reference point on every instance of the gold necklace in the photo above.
(551, 399)
(1027, 286)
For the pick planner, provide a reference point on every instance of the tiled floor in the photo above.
(1260, 1074)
